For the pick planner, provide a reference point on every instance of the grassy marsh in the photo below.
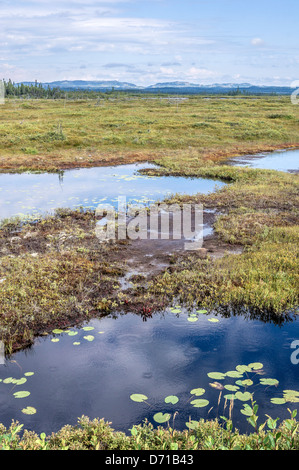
(54, 273)
(59, 134)
(66, 271)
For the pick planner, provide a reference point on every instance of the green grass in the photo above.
(45, 134)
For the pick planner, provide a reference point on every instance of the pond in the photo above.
(38, 193)
(122, 368)
(97, 370)
(282, 160)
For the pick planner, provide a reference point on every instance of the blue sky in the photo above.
(145, 42)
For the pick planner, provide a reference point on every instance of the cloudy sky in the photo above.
(145, 42)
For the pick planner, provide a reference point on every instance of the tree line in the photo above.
(35, 90)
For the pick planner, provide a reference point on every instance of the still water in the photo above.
(283, 160)
(94, 372)
(31, 193)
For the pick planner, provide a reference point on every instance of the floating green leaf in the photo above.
(88, 328)
(216, 375)
(247, 382)
(89, 338)
(171, 399)
(199, 403)
(269, 382)
(76, 343)
(72, 333)
(201, 311)
(8, 380)
(29, 374)
(138, 397)
(230, 396)
(291, 395)
(57, 331)
(234, 373)
(22, 394)
(256, 365)
(162, 417)
(176, 310)
(243, 396)
(278, 401)
(197, 391)
(231, 388)
(192, 319)
(21, 381)
(213, 320)
(29, 410)
(243, 368)
(192, 424)
(55, 340)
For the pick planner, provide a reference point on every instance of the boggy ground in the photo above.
(54, 273)
(47, 135)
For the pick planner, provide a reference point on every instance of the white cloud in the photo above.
(257, 42)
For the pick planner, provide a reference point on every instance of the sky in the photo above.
(147, 42)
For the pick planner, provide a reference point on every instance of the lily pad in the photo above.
(243, 396)
(176, 310)
(201, 311)
(229, 396)
(231, 388)
(269, 382)
(76, 343)
(192, 319)
(192, 424)
(171, 399)
(8, 380)
(243, 368)
(21, 381)
(57, 331)
(291, 395)
(162, 417)
(234, 373)
(88, 328)
(55, 340)
(138, 397)
(72, 333)
(89, 338)
(256, 365)
(197, 391)
(216, 375)
(22, 394)
(29, 374)
(199, 403)
(278, 401)
(213, 320)
(29, 410)
(247, 382)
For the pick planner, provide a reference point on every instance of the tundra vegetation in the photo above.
(55, 274)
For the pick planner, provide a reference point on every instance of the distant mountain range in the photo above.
(166, 87)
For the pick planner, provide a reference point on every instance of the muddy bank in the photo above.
(55, 273)
(75, 159)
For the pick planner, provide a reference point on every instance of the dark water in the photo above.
(280, 160)
(166, 355)
(31, 193)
